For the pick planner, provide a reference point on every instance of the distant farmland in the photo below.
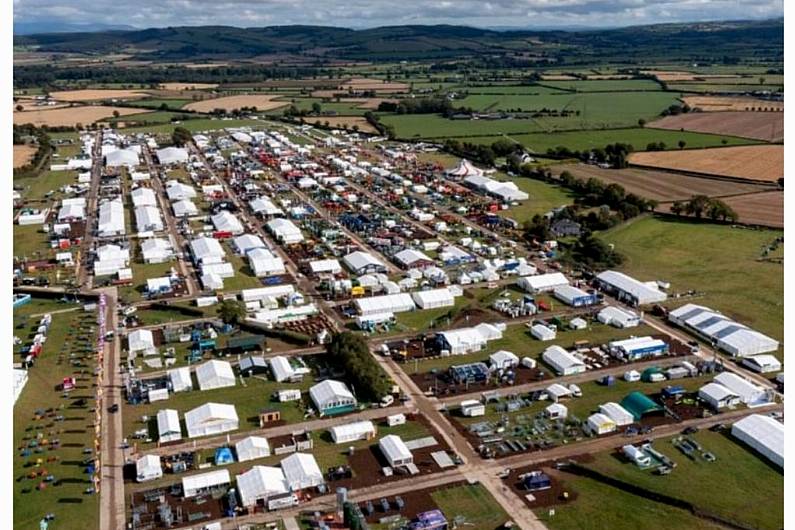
(761, 162)
(97, 94)
(765, 209)
(229, 103)
(71, 116)
(767, 126)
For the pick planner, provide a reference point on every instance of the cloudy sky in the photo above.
(360, 13)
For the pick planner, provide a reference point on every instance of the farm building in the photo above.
(211, 418)
(749, 393)
(718, 396)
(638, 348)
(251, 448)
(206, 250)
(263, 262)
(363, 263)
(434, 298)
(332, 397)
(285, 231)
(395, 451)
(156, 250)
(325, 266)
(764, 435)
(281, 368)
(225, 221)
(617, 413)
(148, 219)
(180, 379)
(172, 155)
(351, 432)
(542, 282)
(556, 411)
(215, 374)
(542, 332)
(259, 484)
(301, 471)
(599, 424)
(503, 359)
(628, 289)
(141, 341)
(762, 364)
(640, 405)
(168, 428)
(574, 296)
(412, 259)
(563, 362)
(724, 333)
(203, 483)
(388, 303)
(472, 408)
(148, 468)
(246, 242)
(184, 208)
(618, 318)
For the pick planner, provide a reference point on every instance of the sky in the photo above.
(372, 13)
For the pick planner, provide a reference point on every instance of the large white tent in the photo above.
(211, 418)
(204, 482)
(360, 262)
(351, 432)
(628, 289)
(215, 374)
(184, 208)
(433, 298)
(281, 368)
(542, 282)
(764, 434)
(246, 242)
(263, 262)
(168, 428)
(122, 157)
(141, 341)
(260, 483)
(330, 395)
(148, 468)
(207, 250)
(388, 303)
(143, 197)
(147, 218)
(225, 221)
(395, 450)
(617, 413)
(285, 231)
(111, 218)
(563, 362)
(180, 379)
(750, 394)
(301, 471)
(172, 155)
(177, 191)
(251, 448)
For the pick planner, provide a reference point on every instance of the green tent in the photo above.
(648, 373)
(639, 404)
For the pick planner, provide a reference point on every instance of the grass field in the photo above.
(157, 103)
(36, 187)
(599, 507)
(474, 503)
(719, 261)
(637, 137)
(543, 197)
(74, 510)
(605, 85)
(30, 241)
(147, 117)
(722, 88)
(751, 492)
(202, 124)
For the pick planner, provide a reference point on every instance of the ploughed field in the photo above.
(761, 162)
(767, 126)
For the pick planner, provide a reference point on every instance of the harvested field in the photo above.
(675, 75)
(768, 126)
(558, 77)
(187, 86)
(29, 104)
(659, 185)
(754, 162)
(72, 115)
(228, 103)
(97, 94)
(766, 209)
(23, 154)
(607, 77)
(363, 83)
(342, 122)
(722, 103)
(371, 103)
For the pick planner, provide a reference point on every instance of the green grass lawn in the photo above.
(472, 502)
(751, 492)
(543, 198)
(637, 137)
(717, 260)
(599, 507)
(35, 188)
(30, 241)
(74, 510)
(423, 320)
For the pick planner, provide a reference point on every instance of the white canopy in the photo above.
(168, 427)
(196, 484)
(301, 471)
(251, 448)
(215, 374)
(260, 482)
(148, 468)
(180, 379)
(211, 418)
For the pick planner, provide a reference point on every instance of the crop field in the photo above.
(678, 75)
(71, 116)
(722, 88)
(155, 103)
(766, 209)
(588, 139)
(97, 94)
(347, 122)
(519, 90)
(717, 260)
(23, 154)
(767, 126)
(187, 86)
(721, 103)
(261, 101)
(747, 481)
(658, 185)
(147, 117)
(762, 162)
(377, 85)
(606, 85)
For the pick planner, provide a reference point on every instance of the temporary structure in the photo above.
(600, 424)
(215, 374)
(195, 485)
(332, 397)
(617, 413)
(389, 303)
(251, 448)
(351, 432)
(395, 451)
(281, 368)
(764, 434)
(211, 418)
(260, 483)
(628, 289)
(141, 340)
(301, 471)
(503, 359)
(168, 427)
(433, 298)
(148, 468)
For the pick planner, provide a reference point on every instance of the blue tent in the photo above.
(223, 455)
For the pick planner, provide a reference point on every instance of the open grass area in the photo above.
(636, 137)
(158, 116)
(31, 242)
(605, 85)
(74, 509)
(474, 503)
(423, 320)
(37, 187)
(599, 506)
(543, 198)
(38, 306)
(719, 261)
(751, 492)
(156, 103)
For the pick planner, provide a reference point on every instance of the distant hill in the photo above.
(418, 42)
(32, 28)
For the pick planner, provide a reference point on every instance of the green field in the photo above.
(751, 492)
(157, 103)
(717, 260)
(148, 117)
(605, 85)
(721, 88)
(599, 507)
(637, 137)
(31, 242)
(36, 187)
(472, 502)
(543, 198)
(74, 509)
(201, 124)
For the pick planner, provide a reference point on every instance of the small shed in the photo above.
(556, 411)
(268, 416)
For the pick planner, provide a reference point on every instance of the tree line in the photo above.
(350, 352)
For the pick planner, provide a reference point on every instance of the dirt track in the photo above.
(659, 185)
(767, 126)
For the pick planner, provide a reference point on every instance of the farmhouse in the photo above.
(210, 419)
(628, 289)
(332, 397)
(726, 334)
(763, 434)
(563, 362)
(259, 484)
